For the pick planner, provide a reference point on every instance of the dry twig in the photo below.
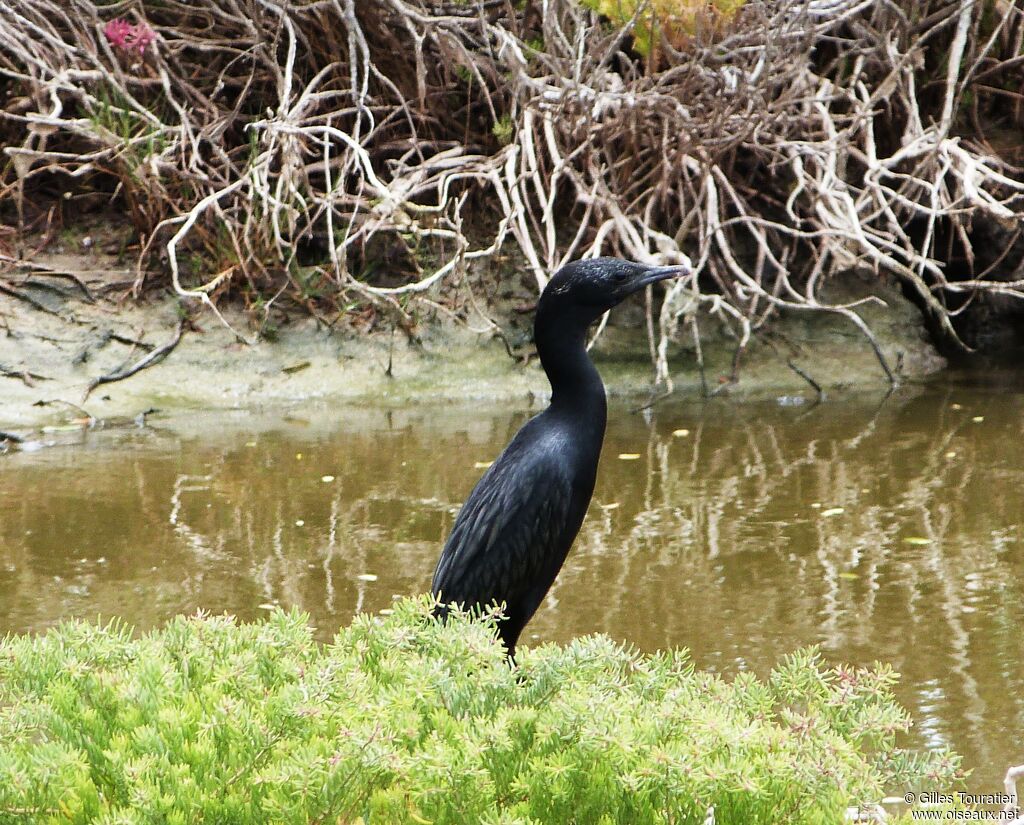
(151, 358)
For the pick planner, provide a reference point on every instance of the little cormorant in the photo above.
(514, 531)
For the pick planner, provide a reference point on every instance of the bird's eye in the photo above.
(620, 275)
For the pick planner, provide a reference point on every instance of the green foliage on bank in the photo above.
(404, 720)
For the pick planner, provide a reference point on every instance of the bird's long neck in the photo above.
(576, 387)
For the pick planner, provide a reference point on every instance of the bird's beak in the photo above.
(661, 273)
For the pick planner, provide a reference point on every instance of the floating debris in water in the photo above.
(479, 465)
(917, 540)
(956, 406)
(978, 419)
(815, 505)
(299, 522)
(613, 506)
(298, 456)
(680, 433)
(845, 575)
(268, 606)
(250, 443)
(629, 456)
(790, 400)
(951, 454)
(832, 511)
(367, 577)
(386, 611)
(327, 479)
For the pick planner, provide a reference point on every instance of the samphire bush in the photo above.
(404, 720)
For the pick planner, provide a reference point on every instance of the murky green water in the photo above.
(882, 530)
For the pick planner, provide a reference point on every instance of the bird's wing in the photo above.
(509, 533)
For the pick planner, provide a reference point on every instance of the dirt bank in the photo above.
(54, 343)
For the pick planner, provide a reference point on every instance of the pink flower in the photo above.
(123, 35)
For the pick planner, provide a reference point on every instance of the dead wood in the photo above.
(153, 357)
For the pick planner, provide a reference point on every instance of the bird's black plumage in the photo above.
(515, 529)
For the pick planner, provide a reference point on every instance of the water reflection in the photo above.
(885, 531)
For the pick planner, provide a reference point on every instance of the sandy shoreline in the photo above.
(49, 357)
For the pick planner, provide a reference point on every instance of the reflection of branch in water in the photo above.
(329, 549)
(263, 570)
(193, 539)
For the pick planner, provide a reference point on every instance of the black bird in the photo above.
(515, 529)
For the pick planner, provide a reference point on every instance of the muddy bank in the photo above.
(54, 343)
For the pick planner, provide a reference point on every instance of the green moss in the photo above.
(675, 20)
(503, 130)
(405, 720)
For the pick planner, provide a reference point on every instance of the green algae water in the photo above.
(886, 529)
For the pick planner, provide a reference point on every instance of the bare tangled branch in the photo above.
(809, 138)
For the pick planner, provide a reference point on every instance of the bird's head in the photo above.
(595, 285)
